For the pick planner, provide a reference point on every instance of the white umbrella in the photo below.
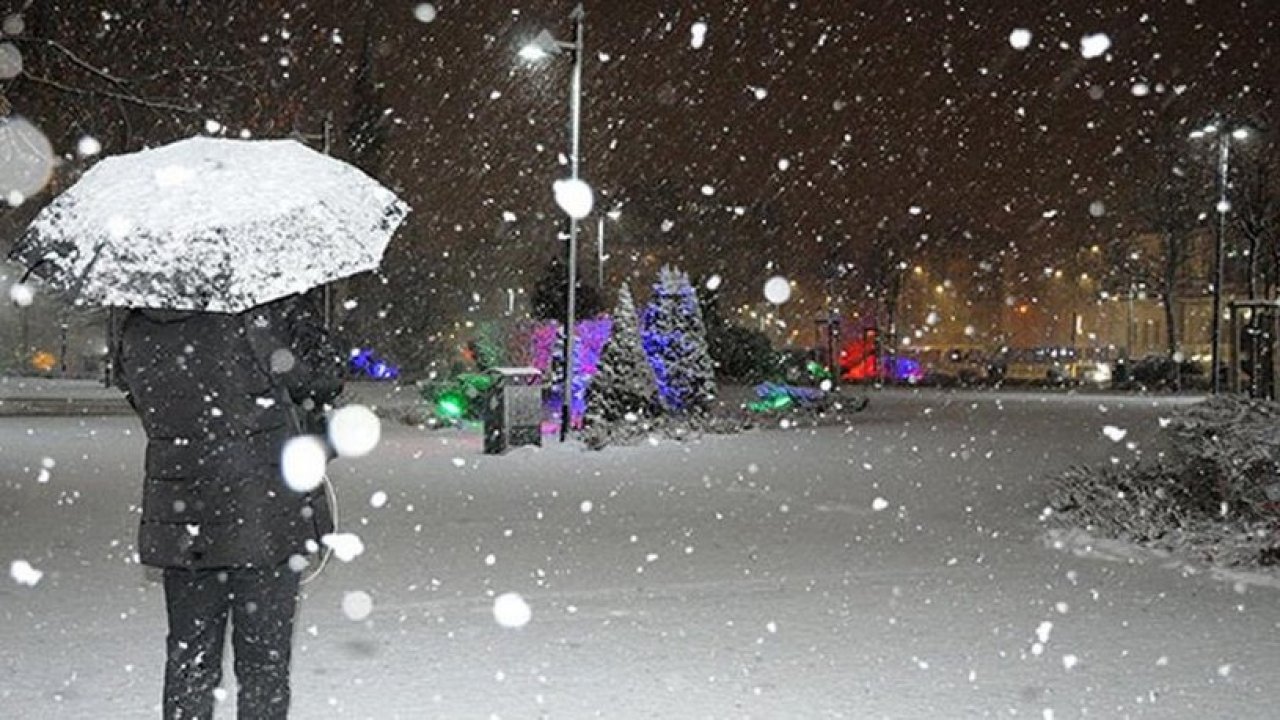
(211, 224)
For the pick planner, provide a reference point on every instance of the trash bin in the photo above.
(513, 409)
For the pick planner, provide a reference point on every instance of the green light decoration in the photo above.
(454, 402)
(817, 370)
(776, 401)
(451, 405)
(475, 383)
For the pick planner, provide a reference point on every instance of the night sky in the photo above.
(796, 140)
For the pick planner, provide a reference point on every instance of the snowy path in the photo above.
(746, 576)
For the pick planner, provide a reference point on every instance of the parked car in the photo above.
(952, 365)
(1040, 365)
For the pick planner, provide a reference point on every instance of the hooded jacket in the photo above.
(218, 396)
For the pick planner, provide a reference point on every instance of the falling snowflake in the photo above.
(574, 197)
(1092, 46)
(23, 574)
(777, 290)
(22, 294)
(357, 605)
(511, 611)
(302, 462)
(347, 546)
(424, 12)
(698, 35)
(88, 146)
(354, 431)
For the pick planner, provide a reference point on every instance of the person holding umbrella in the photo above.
(219, 395)
(209, 245)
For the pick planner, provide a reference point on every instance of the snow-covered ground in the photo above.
(893, 568)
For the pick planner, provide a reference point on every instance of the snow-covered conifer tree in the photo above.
(675, 341)
(623, 384)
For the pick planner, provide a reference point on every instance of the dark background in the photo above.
(877, 106)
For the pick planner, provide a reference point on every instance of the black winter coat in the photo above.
(218, 396)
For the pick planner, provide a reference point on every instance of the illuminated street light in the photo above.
(543, 46)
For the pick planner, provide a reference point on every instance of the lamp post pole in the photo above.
(1219, 242)
(578, 207)
(600, 254)
(575, 124)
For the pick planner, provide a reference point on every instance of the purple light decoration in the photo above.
(590, 337)
(908, 369)
(543, 345)
(364, 362)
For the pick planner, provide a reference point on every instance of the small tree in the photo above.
(368, 126)
(550, 295)
(674, 339)
(624, 383)
(1165, 198)
(1258, 218)
(742, 354)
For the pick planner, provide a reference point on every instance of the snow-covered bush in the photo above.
(1215, 493)
(635, 430)
(1137, 503)
(1229, 452)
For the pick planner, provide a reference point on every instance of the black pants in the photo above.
(260, 604)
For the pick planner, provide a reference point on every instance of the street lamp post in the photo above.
(545, 45)
(829, 322)
(1223, 134)
(600, 256)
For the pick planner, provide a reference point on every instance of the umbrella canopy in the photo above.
(210, 224)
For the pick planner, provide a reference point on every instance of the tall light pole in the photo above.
(600, 255)
(1223, 135)
(545, 45)
(613, 215)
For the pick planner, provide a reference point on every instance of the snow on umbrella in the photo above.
(210, 224)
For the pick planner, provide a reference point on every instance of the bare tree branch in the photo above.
(126, 97)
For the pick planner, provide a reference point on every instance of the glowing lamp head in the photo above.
(540, 48)
(532, 53)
